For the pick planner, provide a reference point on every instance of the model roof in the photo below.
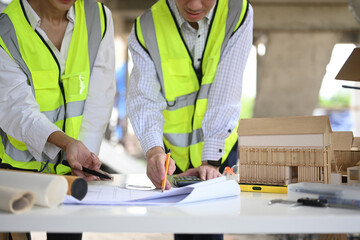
(285, 125)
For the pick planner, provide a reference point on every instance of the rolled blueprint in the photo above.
(16, 200)
(49, 190)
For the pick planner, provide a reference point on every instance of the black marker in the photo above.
(87, 170)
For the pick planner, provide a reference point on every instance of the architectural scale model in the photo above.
(346, 155)
(284, 150)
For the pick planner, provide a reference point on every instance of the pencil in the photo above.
(166, 170)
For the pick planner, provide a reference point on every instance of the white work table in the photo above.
(247, 214)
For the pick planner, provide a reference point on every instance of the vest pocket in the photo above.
(75, 86)
(178, 80)
(47, 90)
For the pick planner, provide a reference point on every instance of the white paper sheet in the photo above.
(115, 195)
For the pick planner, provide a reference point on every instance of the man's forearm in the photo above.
(153, 151)
(60, 139)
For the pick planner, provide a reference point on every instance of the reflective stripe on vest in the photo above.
(62, 99)
(186, 99)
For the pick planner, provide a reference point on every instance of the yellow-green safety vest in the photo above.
(61, 98)
(184, 88)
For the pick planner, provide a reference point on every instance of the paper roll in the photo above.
(16, 200)
(49, 190)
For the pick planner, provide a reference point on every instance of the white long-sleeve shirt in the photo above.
(2, 6)
(145, 103)
(20, 116)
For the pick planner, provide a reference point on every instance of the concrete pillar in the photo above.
(291, 72)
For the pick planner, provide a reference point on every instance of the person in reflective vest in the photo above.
(185, 87)
(57, 84)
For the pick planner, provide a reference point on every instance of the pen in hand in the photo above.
(167, 162)
(90, 171)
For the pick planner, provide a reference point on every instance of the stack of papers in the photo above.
(118, 195)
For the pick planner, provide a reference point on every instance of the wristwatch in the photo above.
(215, 163)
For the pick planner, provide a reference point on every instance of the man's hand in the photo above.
(76, 154)
(155, 170)
(204, 172)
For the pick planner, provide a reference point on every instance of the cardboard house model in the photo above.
(346, 151)
(284, 150)
(346, 155)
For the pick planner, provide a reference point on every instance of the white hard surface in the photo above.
(247, 214)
